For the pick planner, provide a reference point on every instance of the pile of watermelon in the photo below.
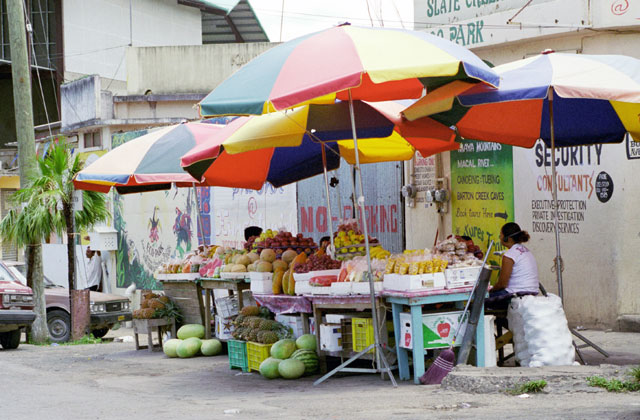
(190, 343)
(291, 359)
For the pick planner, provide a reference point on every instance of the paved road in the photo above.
(113, 381)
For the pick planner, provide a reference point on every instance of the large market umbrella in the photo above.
(146, 163)
(563, 99)
(346, 62)
(371, 64)
(281, 147)
(595, 99)
(287, 137)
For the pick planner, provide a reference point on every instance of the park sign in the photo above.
(478, 23)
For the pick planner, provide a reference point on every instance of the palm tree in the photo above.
(45, 207)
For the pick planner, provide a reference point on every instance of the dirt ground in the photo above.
(114, 381)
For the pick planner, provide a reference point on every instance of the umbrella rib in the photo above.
(312, 136)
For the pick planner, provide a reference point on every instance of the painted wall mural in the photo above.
(153, 228)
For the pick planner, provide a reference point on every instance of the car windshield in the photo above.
(5, 275)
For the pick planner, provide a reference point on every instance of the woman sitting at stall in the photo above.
(519, 271)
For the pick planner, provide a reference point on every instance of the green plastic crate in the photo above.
(237, 350)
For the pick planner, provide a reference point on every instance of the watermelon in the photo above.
(211, 347)
(191, 330)
(307, 342)
(189, 347)
(309, 358)
(170, 347)
(291, 368)
(283, 349)
(269, 368)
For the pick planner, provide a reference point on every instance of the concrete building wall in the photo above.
(186, 69)
(602, 276)
(97, 32)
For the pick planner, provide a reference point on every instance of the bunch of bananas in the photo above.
(378, 252)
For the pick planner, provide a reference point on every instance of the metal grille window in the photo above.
(43, 20)
(44, 31)
(4, 32)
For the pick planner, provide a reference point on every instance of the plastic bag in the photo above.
(541, 334)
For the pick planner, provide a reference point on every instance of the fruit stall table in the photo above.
(344, 304)
(415, 300)
(207, 284)
(287, 305)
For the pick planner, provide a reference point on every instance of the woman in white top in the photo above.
(519, 272)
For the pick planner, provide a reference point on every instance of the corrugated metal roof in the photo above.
(228, 21)
(227, 5)
(240, 25)
(220, 5)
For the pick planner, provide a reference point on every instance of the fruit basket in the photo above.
(256, 354)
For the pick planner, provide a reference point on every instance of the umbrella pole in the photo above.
(374, 307)
(326, 186)
(558, 262)
(340, 209)
(554, 188)
(198, 213)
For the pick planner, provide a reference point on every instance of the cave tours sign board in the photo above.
(481, 190)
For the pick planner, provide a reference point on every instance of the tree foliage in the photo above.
(41, 208)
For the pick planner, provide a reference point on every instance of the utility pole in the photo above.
(22, 103)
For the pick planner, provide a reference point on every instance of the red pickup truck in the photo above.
(106, 309)
(16, 309)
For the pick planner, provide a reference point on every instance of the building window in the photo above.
(92, 139)
(43, 20)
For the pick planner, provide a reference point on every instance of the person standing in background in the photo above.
(94, 270)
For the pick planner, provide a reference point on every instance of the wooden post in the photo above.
(23, 107)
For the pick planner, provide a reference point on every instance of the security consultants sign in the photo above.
(481, 190)
(475, 23)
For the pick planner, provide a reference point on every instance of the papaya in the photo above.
(292, 285)
(285, 281)
(300, 259)
(277, 282)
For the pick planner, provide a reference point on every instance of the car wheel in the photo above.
(100, 332)
(59, 324)
(10, 339)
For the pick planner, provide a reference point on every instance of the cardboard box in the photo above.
(330, 337)
(337, 318)
(302, 287)
(262, 286)
(363, 288)
(434, 281)
(461, 277)
(295, 323)
(341, 288)
(406, 282)
(224, 328)
(437, 329)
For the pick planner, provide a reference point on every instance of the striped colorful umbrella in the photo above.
(282, 148)
(563, 99)
(596, 99)
(147, 163)
(374, 64)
